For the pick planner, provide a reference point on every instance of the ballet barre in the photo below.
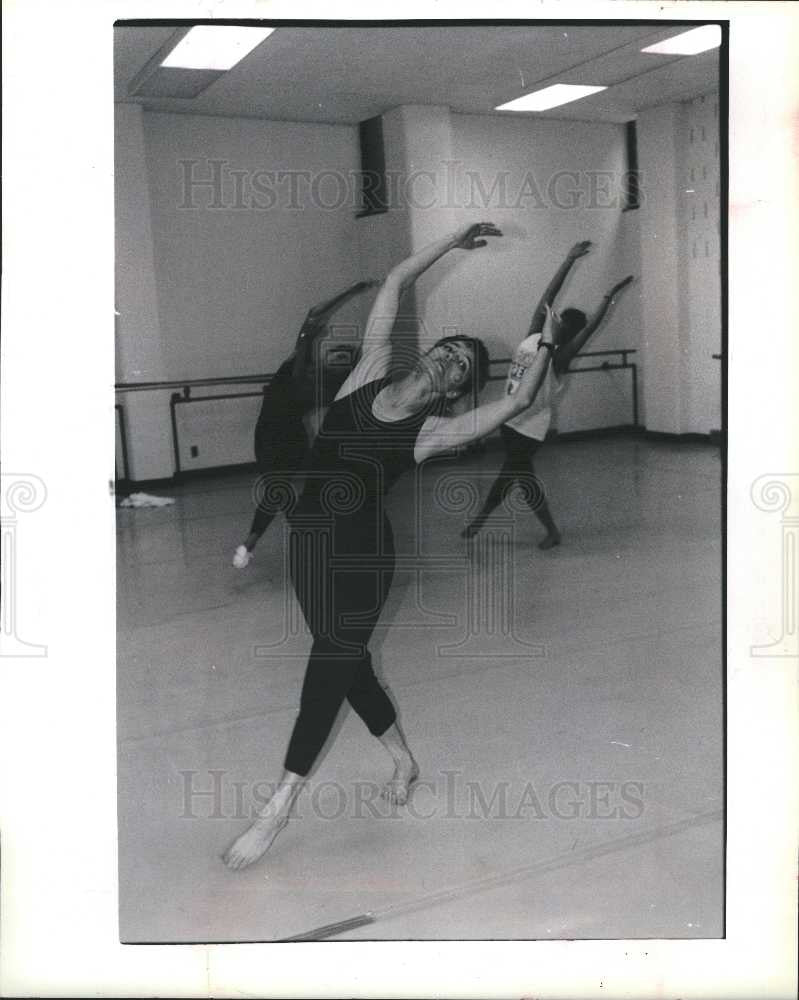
(185, 393)
(184, 396)
(603, 366)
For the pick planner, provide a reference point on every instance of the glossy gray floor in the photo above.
(565, 708)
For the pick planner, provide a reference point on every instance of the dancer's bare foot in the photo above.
(242, 557)
(253, 843)
(398, 788)
(552, 539)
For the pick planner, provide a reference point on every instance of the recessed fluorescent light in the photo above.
(215, 46)
(689, 43)
(549, 97)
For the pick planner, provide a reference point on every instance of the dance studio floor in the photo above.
(565, 708)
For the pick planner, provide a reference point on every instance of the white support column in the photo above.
(427, 132)
(139, 348)
(660, 268)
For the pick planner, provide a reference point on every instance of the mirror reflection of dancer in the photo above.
(342, 554)
(281, 441)
(523, 435)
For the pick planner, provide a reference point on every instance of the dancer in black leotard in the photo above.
(281, 441)
(342, 557)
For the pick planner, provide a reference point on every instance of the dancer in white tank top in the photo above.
(524, 434)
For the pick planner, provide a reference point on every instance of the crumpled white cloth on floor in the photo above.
(145, 500)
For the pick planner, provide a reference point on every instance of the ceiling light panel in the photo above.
(689, 43)
(215, 47)
(549, 97)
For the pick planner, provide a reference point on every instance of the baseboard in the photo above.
(126, 486)
(597, 432)
(692, 438)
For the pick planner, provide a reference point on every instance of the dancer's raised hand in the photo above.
(579, 250)
(618, 287)
(468, 238)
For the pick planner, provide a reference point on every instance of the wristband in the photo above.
(544, 343)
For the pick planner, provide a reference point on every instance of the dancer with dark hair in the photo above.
(342, 553)
(524, 434)
(281, 440)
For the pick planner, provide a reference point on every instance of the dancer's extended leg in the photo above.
(518, 468)
(341, 606)
(406, 770)
(536, 495)
(244, 553)
(544, 515)
(258, 838)
(503, 482)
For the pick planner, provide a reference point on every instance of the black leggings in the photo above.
(341, 593)
(279, 463)
(517, 468)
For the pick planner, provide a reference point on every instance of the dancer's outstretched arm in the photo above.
(552, 289)
(566, 354)
(314, 324)
(323, 309)
(442, 434)
(376, 344)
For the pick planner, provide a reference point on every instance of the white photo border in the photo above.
(59, 879)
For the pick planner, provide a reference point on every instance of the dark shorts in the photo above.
(281, 452)
(518, 447)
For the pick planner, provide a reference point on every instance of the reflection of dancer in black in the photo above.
(281, 441)
(523, 435)
(342, 555)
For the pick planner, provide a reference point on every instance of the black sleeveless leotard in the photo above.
(342, 563)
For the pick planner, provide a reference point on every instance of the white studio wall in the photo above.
(384, 239)
(699, 208)
(657, 147)
(139, 344)
(555, 183)
(229, 230)
(562, 183)
(251, 226)
(547, 184)
(680, 264)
